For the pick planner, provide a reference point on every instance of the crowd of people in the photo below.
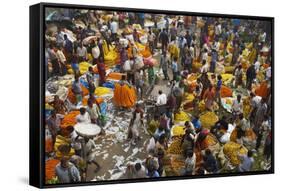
(199, 86)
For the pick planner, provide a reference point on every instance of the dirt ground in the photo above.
(113, 150)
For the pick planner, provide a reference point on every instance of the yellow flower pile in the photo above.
(232, 150)
(100, 91)
(189, 97)
(202, 106)
(227, 78)
(191, 77)
(84, 67)
(181, 117)
(208, 119)
(175, 147)
(178, 130)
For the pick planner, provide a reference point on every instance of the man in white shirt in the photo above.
(205, 55)
(190, 163)
(255, 100)
(268, 73)
(151, 39)
(162, 98)
(89, 154)
(257, 66)
(237, 106)
(67, 172)
(82, 53)
(83, 117)
(95, 51)
(218, 29)
(205, 67)
(114, 29)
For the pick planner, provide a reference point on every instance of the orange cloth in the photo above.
(124, 96)
(262, 90)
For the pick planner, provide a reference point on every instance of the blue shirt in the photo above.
(196, 123)
(154, 174)
(76, 88)
(219, 84)
(174, 67)
(68, 46)
(214, 57)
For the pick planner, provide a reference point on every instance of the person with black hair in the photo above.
(88, 152)
(54, 60)
(101, 70)
(83, 117)
(135, 124)
(161, 144)
(196, 100)
(214, 59)
(93, 111)
(67, 172)
(175, 69)
(188, 141)
(210, 162)
(237, 106)
(209, 98)
(247, 162)
(61, 60)
(68, 46)
(190, 163)
(91, 80)
(140, 171)
(164, 65)
(218, 90)
(59, 105)
(82, 52)
(250, 75)
(77, 90)
(151, 38)
(162, 98)
(160, 156)
(267, 146)
(238, 74)
(53, 124)
(163, 39)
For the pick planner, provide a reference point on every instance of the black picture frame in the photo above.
(37, 93)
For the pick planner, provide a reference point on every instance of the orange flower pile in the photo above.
(262, 90)
(226, 91)
(48, 145)
(210, 140)
(114, 76)
(50, 168)
(124, 96)
(69, 119)
(250, 134)
(146, 52)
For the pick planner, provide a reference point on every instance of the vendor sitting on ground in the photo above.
(83, 117)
